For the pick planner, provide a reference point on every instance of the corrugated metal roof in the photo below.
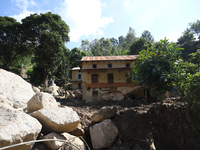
(107, 58)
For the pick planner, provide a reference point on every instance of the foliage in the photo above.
(188, 40)
(139, 45)
(195, 28)
(36, 75)
(11, 44)
(147, 35)
(156, 67)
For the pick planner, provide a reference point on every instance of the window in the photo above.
(79, 76)
(95, 78)
(127, 64)
(109, 65)
(94, 65)
(79, 71)
(79, 86)
(110, 78)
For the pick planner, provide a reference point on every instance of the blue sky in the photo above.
(90, 19)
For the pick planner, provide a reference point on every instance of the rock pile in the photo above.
(41, 117)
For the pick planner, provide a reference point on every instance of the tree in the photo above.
(156, 68)
(62, 75)
(75, 55)
(34, 25)
(139, 45)
(49, 53)
(47, 33)
(130, 38)
(12, 47)
(147, 35)
(187, 41)
(195, 28)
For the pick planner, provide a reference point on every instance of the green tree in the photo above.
(130, 38)
(139, 45)
(11, 44)
(195, 28)
(147, 35)
(156, 67)
(62, 75)
(48, 34)
(49, 53)
(34, 25)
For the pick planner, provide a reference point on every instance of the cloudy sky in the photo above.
(90, 19)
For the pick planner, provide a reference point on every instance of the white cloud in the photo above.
(23, 7)
(84, 17)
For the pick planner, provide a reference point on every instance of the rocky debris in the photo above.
(41, 100)
(104, 113)
(103, 134)
(17, 127)
(114, 95)
(57, 119)
(78, 131)
(74, 140)
(36, 89)
(53, 89)
(16, 89)
(54, 144)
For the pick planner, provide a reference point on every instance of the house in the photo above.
(76, 78)
(106, 77)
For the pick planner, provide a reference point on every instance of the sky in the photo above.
(90, 19)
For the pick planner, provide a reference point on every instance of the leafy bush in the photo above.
(156, 67)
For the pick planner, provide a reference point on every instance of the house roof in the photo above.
(109, 58)
(75, 68)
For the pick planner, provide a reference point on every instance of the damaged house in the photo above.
(106, 77)
(76, 78)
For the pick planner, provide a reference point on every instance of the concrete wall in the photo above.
(75, 81)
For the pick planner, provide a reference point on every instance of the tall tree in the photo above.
(12, 47)
(130, 38)
(195, 28)
(49, 53)
(147, 35)
(139, 45)
(34, 25)
(47, 33)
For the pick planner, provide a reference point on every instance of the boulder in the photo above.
(4, 99)
(17, 127)
(115, 95)
(104, 113)
(54, 144)
(75, 141)
(78, 131)
(57, 119)
(35, 89)
(41, 100)
(16, 89)
(53, 89)
(103, 134)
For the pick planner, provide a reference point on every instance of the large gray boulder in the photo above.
(41, 100)
(17, 127)
(103, 134)
(57, 119)
(15, 89)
